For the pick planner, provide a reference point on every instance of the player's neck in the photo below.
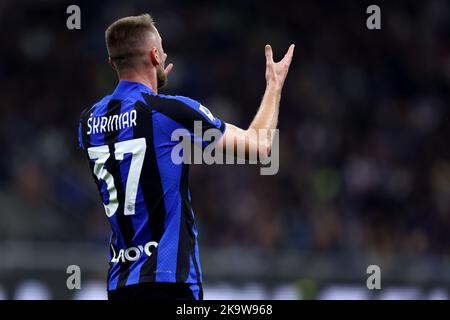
(144, 79)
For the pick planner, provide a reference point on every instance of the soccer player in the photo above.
(127, 139)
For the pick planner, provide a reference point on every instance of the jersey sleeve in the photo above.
(194, 117)
(80, 136)
(81, 128)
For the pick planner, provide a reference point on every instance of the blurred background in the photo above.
(364, 146)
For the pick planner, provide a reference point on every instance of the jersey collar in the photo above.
(125, 87)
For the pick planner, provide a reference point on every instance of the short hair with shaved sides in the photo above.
(127, 39)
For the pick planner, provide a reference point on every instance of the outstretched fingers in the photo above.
(269, 53)
(288, 56)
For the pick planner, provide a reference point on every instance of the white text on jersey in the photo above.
(111, 123)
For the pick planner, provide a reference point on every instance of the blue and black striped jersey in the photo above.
(127, 137)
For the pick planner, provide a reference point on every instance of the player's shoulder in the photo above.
(173, 104)
(183, 99)
(177, 107)
(157, 101)
(91, 109)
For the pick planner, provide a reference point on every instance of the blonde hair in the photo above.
(127, 39)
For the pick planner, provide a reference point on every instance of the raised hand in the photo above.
(276, 72)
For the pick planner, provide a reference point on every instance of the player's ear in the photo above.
(111, 63)
(154, 57)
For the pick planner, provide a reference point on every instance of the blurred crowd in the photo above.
(364, 121)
